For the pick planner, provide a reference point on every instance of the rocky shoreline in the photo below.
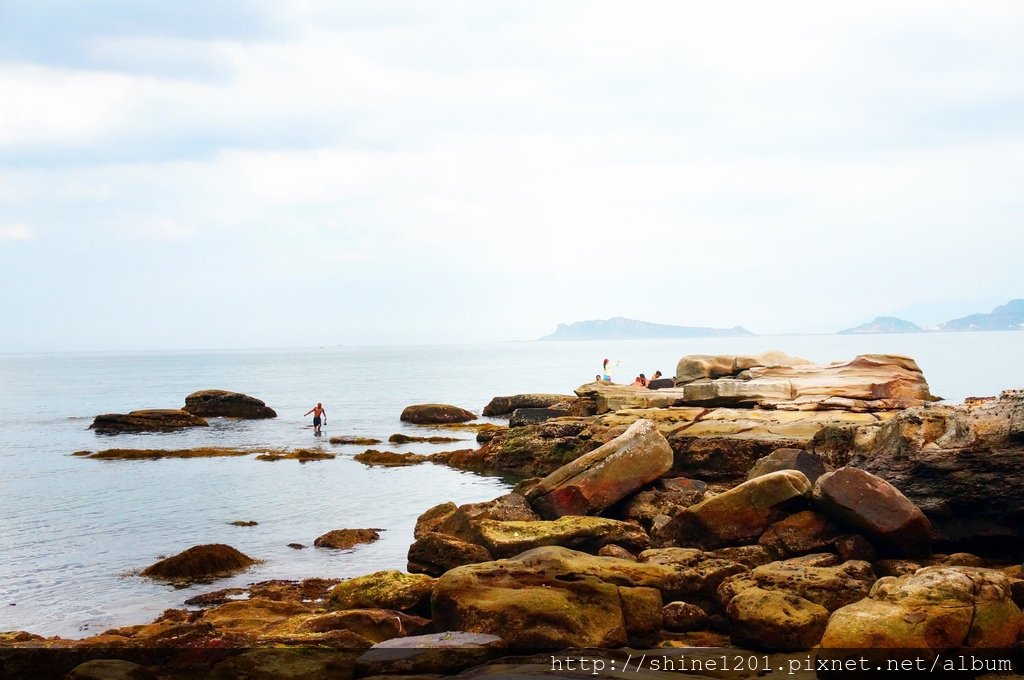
(761, 503)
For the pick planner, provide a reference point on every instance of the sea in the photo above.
(74, 532)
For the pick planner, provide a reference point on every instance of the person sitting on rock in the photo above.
(319, 416)
(606, 376)
(641, 381)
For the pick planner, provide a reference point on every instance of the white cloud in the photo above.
(16, 232)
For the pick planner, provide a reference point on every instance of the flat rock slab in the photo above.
(148, 420)
(604, 476)
(445, 653)
(589, 534)
(225, 404)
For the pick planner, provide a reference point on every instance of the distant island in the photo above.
(620, 328)
(1008, 317)
(883, 324)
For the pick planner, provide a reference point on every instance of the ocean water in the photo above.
(72, 530)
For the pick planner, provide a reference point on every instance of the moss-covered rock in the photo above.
(199, 563)
(384, 590)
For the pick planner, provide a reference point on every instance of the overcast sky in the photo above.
(233, 173)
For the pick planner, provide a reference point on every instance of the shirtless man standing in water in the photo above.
(319, 416)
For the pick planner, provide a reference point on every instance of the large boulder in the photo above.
(224, 404)
(461, 522)
(552, 598)
(436, 414)
(199, 563)
(588, 534)
(962, 465)
(774, 620)
(741, 514)
(935, 608)
(875, 508)
(433, 553)
(604, 476)
(831, 587)
(147, 420)
(504, 406)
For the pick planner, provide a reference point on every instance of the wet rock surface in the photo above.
(200, 562)
(434, 414)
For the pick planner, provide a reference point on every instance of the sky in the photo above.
(243, 173)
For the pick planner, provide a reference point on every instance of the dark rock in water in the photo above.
(661, 384)
(399, 438)
(200, 562)
(532, 416)
(296, 546)
(442, 654)
(343, 539)
(148, 420)
(503, 406)
(963, 466)
(875, 508)
(224, 404)
(434, 554)
(604, 476)
(388, 458)
(436, 414)
(789, 459)
(243, 523)
(357, 441)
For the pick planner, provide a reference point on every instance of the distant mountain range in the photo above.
(883, 324)
(631, 329)
(1008, 317)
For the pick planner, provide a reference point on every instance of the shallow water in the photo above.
(72, 530)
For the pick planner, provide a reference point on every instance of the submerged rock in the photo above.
(149, 420)
(399, 438)
(431, 414)
(200, 562)
(357, 441)
(343, 539)
(389, 458)
(604, 476)
(221, 403)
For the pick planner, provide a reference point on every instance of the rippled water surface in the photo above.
(72, 530)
